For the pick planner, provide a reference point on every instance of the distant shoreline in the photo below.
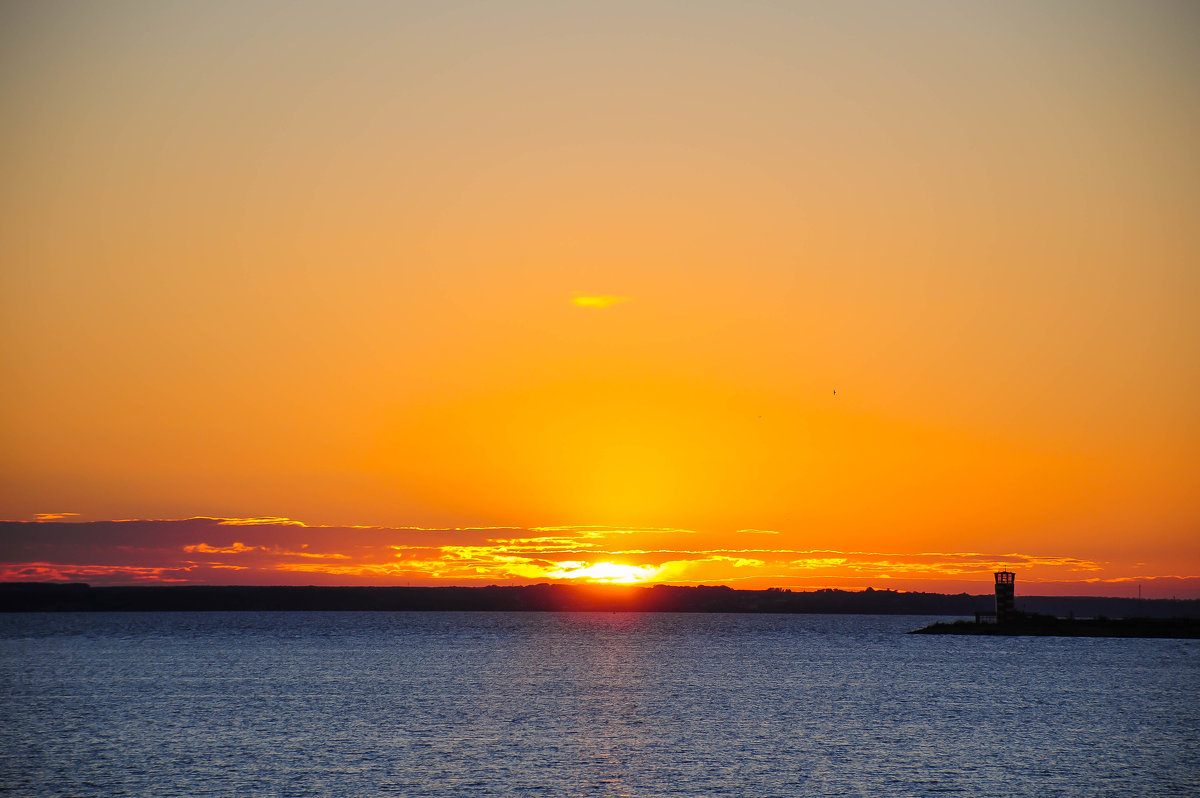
(78, 597)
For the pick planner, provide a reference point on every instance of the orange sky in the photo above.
(533, 265)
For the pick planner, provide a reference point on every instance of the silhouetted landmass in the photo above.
(78, 597)
(1048, 625)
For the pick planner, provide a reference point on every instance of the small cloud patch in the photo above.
(602, 301)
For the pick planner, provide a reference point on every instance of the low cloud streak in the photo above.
(284, 551)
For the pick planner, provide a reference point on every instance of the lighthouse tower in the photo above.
(1005, 589)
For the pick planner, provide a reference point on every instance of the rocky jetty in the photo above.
(1050, 626)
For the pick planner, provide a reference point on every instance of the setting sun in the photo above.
(611, 572)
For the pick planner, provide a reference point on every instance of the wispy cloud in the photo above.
(268, 521)
(72, 572)
(203, 548)
(52, 516)
(312, 555)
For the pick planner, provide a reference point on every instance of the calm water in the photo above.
(462, 704)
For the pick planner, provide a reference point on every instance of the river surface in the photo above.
(583, 704)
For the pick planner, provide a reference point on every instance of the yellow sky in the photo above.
(539, 264)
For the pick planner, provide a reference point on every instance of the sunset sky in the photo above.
(759, 294)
